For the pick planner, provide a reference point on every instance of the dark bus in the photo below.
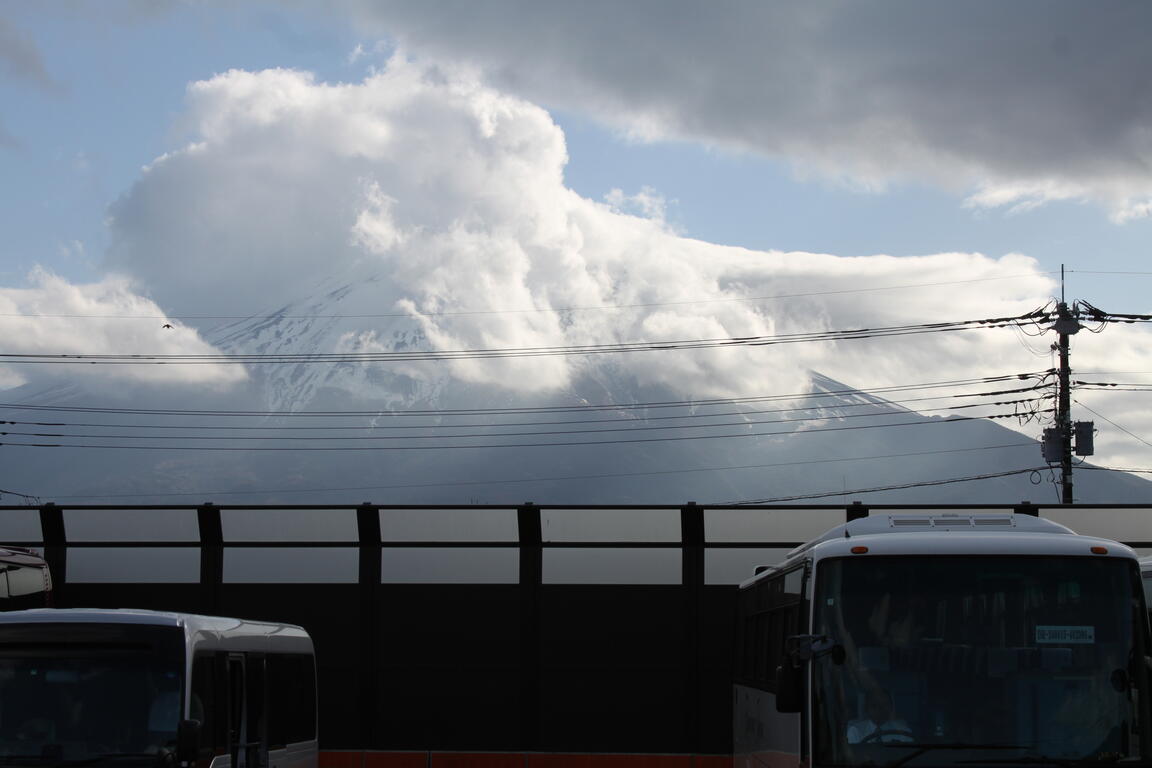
(24, 580)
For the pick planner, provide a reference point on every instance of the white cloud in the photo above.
(55, 317)
(423, 192)
(1026, 101)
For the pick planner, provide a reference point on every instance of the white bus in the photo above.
(142, 688)
(1146, 576)
(24, 580)
(944, 640)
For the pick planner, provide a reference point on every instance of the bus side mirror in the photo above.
(789, 687)
(188, 742)
(807, 647)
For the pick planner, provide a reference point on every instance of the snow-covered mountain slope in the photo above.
(417, 433)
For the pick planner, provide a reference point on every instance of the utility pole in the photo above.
(1057, 443)
(1066, 325)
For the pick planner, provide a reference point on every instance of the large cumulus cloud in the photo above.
(1013, 103)
(436, 197)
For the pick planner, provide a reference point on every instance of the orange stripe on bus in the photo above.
(712, 761)
(373, 759)
(395, 760)
(479, 760)
(332, 759)
(609, 761)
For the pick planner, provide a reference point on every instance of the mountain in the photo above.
(423, 435)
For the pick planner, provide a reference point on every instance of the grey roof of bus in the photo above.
(134, 616)
(906, 522)
(948, 521)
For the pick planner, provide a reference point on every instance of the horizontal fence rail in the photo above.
(527, 628)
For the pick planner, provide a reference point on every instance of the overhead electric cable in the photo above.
(695, 416)
(1114, 386)
(509, 352)
(903, 486)
(17, 493)
(1122, 429)
(465, 313)
(629, 428)
(1129, 470)
(1102, 272)
(952, 420)
(439, 412)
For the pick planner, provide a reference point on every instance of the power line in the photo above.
(1122, 429)
(877, 489)
(1114, 386)
(630, 428)
(953, 420)
(1115, 469)
(16, 493)
(518, 352)
(1102, 272)
(485, 425)
(531, 310)
(587, 407)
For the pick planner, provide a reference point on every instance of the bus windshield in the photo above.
(90, 694)
(949, 660)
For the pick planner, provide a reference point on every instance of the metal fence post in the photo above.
(692, 584)
(211, 557)
(856, 511)
(531, 578)
(371, 558)
(55, 550)
(1026, 508)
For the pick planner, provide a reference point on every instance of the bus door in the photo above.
(247, 725)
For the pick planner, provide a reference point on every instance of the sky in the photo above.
(496, 164)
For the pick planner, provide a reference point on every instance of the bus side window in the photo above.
(783, 624)
(783, 620)
(256, 701)
(769, 615)
(279, 705)
(291, 699)
(204, 705)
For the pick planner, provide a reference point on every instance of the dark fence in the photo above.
(518, 629)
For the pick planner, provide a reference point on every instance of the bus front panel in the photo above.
(75, 692)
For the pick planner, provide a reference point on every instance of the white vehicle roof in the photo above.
(950, 534)
(206, 632)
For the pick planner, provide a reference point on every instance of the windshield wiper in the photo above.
(40, 760)
(1062, 761)
(923, 747)
(113, 756)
